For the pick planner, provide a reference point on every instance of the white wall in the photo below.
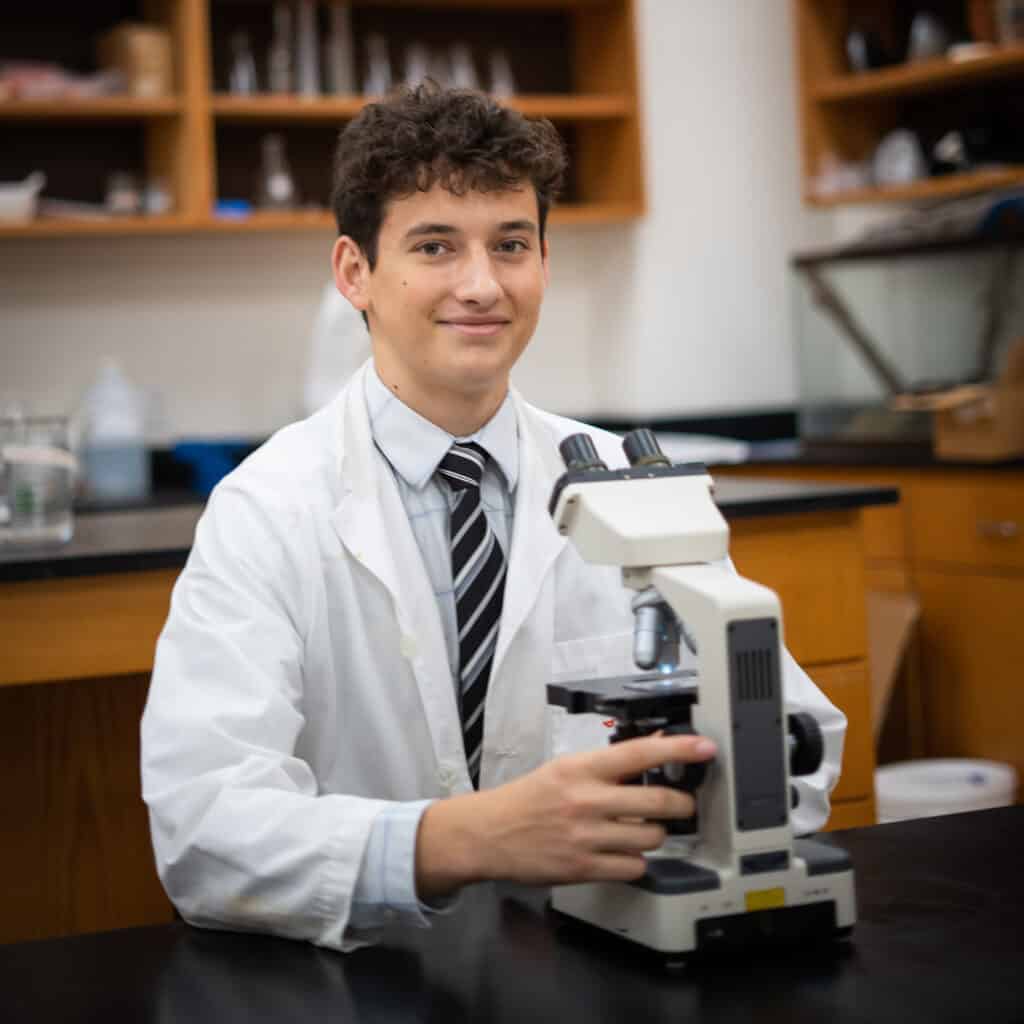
(688, 311)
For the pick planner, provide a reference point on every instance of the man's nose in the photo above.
(477, 282)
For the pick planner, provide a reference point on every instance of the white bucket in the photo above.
(922, 789)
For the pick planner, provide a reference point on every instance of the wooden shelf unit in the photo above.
(846, 114)
(205, 143)
(99, 109)
(930, 76)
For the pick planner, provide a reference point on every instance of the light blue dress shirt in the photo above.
(411, 448)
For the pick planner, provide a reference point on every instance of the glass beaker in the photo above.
(38, 472)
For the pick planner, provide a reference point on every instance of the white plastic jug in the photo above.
(921, 789)
(115, 460)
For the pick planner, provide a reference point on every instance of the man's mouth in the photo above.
(481, 327)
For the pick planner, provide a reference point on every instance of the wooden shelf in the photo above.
(58, 227)
(201, 143)
(99, 109)
(845, 115)
(323, 220)
(272, 107)
(927, 76)
(270, 220)
(932, 188)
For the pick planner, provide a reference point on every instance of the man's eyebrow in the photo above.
(518, 225)
(430, 229)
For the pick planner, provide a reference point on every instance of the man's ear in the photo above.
(351, 272)
(544, 253)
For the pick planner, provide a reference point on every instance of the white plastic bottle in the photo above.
(115, 460)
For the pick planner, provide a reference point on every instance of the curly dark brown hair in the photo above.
(419, 137)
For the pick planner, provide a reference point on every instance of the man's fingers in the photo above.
(631, 757)
(623, 837)
(616, 867)
(648, 802)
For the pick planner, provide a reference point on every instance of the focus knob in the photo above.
(684, 775)
(808, 749)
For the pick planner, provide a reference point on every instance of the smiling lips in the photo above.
(478, 328)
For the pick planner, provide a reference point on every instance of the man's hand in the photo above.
(571, 820)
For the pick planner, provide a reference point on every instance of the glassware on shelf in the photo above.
(277, 186)
(123, 195)
(503, 82)
(242, 80)
(463, 70)
(308, 52)
(279, 56)
(417, 64)
(378, 78)
(339, 58)
(156, 197)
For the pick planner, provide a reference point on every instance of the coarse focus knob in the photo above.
(642, 448)
(808, 748)
(689, 775)
(579, 454)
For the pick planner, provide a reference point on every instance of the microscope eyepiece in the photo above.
(642, 448)
(579, 453)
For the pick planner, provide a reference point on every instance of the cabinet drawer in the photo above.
(973, 697)
(969, 519)
(816, 565)
(847, 687)
(851, 814)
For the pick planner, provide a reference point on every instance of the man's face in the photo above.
(456, 291)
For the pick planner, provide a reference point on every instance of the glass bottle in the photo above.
(279, 56)
(277, 186)
(242, 76)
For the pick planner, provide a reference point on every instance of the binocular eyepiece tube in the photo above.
(641, 448)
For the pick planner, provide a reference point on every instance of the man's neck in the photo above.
(459, 414)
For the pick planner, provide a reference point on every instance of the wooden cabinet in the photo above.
(815, 563)
(844, 114)
(956, 540)
(575, 62)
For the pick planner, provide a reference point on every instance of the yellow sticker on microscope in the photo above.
(766, 899)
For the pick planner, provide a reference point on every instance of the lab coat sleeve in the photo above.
(241, 836)
(802, 694)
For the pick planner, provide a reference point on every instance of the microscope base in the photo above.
(792, 906)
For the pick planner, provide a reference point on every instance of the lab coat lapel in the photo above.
(535, 542)
(372, 523)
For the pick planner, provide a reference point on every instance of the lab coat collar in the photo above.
(414, 446)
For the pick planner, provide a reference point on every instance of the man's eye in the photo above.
(431, 248)
(513, 245)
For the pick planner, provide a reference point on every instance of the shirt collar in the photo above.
(415, 446)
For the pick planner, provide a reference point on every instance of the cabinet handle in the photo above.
(1000, 529)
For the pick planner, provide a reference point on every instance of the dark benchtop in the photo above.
(791, 452)
(160, 538)
(938, 939)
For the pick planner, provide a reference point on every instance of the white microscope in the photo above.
(734, 875)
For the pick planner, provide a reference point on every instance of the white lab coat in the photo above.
(302, 679)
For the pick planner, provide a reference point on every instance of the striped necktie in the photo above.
(478, 573)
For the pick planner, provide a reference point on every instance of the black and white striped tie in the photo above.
(478, 573)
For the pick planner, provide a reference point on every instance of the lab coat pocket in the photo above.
(585, 658)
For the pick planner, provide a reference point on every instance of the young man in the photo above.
(346, 722)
